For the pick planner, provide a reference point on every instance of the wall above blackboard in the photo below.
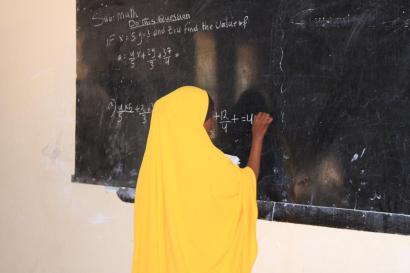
(334, 74)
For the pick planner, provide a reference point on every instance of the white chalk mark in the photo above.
(298, 23)
(341, 209)
(376, 196)
(355, 157)
(54, 163)
(282, 90)
(364, 150)
(304, 12)
(281, 59)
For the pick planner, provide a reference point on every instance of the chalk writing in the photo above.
(118, 110)
(283, 87)
(226, 23)
(223, 119)
(141, 30)
(152, 57)
(327, 22)
(140, 36)
(161, 19)
(398, 23)
(134, 20)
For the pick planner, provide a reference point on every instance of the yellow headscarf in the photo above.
(195, 211)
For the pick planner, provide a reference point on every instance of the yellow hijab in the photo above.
(195, 211)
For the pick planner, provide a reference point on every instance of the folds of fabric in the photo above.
(195, 211)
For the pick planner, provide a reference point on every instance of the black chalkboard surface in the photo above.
(334, 75)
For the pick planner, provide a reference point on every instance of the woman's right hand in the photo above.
(260, 125)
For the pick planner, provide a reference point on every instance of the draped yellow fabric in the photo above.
(195, 211)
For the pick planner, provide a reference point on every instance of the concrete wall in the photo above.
(48, 224)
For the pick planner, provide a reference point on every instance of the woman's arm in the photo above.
(259, 128)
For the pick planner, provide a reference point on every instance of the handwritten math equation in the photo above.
(118, 110)
(151, 56)
(222, 117)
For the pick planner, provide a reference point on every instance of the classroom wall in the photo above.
(49, 224)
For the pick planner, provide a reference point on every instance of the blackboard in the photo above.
(334, 75)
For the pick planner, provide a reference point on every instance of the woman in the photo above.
(195, 211)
